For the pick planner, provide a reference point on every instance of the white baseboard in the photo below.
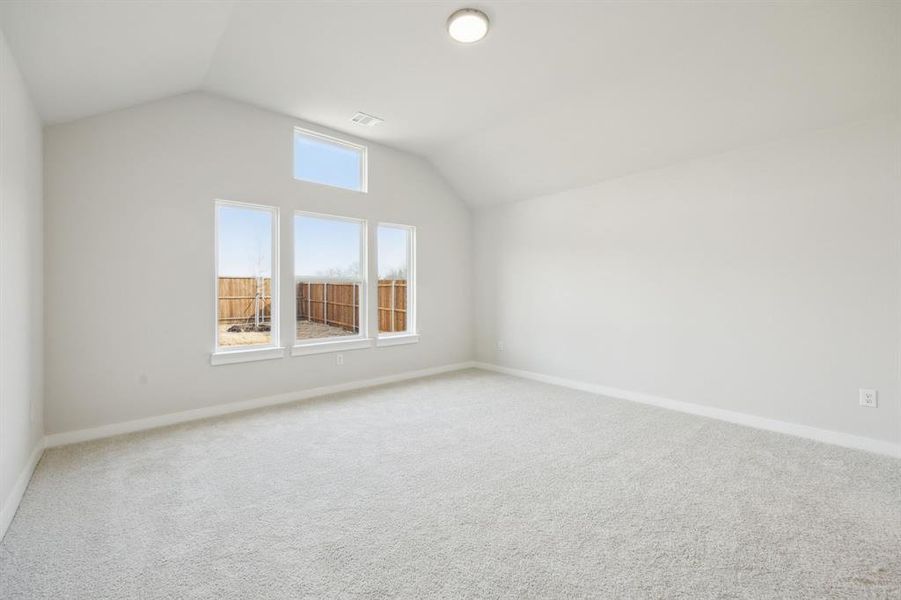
(11, 502)
(104, 431)
(812, 433)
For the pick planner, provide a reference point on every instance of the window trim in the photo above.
(332, 344)
(325, 345)
(397, 339)
(364, 158)
(411, 334)
(227, 354)
(246, 355)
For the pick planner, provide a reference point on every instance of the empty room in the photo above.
(428, 299)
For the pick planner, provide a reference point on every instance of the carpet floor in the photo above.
(467, 485)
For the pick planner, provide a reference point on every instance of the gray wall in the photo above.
(766, 281)
(21, 280)
(129, 222)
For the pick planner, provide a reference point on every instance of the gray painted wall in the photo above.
(21, 280)
(129, 222)
(766, 281)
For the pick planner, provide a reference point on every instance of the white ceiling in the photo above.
(559, 95)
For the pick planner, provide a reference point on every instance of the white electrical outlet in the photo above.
(500, 346)
(339, 359)
(868, 398)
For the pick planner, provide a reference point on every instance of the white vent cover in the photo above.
(366, 120)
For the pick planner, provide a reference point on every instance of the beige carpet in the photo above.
(470, 485)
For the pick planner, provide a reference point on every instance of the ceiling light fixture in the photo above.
(467, 25)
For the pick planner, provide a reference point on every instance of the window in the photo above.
(329, 278)
(246, 293)
(322, 159)
(396, 244)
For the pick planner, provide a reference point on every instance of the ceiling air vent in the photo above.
(366, 120)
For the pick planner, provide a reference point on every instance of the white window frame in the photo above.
(411, 335)
(364, 158)
(232, 354)
(335, 344)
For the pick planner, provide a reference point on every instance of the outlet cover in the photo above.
(868, 398)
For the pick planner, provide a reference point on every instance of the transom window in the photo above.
(329, 161)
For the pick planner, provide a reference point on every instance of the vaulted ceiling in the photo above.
(559, 95)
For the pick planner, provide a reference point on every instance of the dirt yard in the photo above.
(305, 331)
(242, 338)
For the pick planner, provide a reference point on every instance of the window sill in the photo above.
(228, 357)
(397, 340)
(331, 346)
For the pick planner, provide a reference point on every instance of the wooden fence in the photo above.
(392, 305)
(336, 304)
(238, 299)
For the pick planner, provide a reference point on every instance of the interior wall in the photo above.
(21, 281)
(765, 281)
(129, 246)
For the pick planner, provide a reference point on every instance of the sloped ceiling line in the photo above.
(558, 95)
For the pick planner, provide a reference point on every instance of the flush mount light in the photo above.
(468, 25)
